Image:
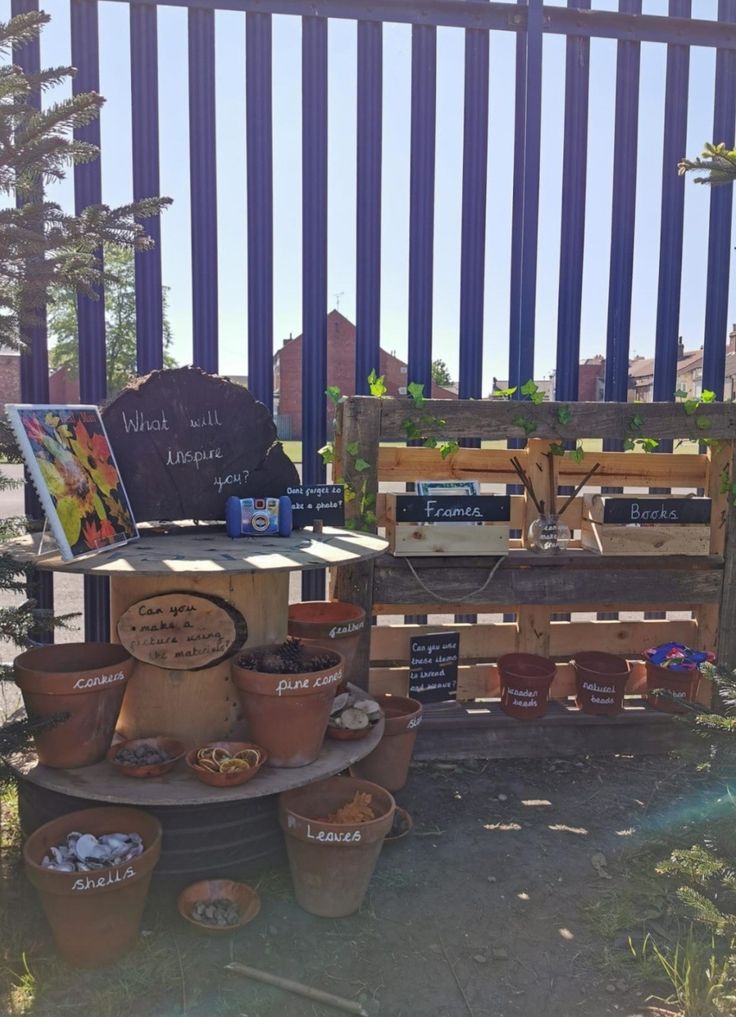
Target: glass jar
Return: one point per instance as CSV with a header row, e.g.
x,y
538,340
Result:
x,y
548,535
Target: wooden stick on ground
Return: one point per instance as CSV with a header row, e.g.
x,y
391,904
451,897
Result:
x,y
298,988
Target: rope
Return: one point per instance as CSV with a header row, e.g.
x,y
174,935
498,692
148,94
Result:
x,y
455,600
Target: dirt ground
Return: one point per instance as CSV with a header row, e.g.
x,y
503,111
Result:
x,y
514,896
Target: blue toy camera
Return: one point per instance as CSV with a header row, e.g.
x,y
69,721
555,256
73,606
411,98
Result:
x,y
258,517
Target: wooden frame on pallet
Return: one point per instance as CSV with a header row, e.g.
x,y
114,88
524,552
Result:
x,y
531,585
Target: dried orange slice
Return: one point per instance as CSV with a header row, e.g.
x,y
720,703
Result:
x,y
207,764
233,765
219,755
251,756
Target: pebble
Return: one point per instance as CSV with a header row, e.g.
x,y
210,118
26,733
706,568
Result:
x,y
491,879
435,948
480,958
220,912
500,953
503,798
142,756
273,930
610,987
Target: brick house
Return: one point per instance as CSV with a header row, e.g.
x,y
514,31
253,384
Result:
x,y
62,387
287,373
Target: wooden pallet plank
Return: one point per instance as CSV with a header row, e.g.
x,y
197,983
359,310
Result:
x,y
652,539
491,419
448,539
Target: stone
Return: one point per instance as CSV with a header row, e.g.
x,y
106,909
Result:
x,y
500,953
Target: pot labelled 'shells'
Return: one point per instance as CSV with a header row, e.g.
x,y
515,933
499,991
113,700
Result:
x,y
94,916
332,863
525,683
600,682
84,680
332,622
681,685
388,763
287,713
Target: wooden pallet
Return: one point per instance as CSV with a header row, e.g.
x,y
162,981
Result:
x,y
536,588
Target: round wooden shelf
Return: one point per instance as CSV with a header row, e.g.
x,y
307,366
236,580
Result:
x,y
209,553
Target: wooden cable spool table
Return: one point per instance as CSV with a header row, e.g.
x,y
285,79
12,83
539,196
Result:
x,y
207,830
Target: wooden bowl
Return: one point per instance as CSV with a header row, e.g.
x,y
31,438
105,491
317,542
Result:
x,y
243,896
408,827
175,748
225,779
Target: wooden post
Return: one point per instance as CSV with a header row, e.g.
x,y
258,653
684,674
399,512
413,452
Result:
x,y
357,437
727,630
533,620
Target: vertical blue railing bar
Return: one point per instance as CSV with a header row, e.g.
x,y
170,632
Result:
x,y
517,198
572,234
144,100
721,208
203,187
521,341
90,312
421,202
259,158
473,235
623,213
314,261
34,364
368,203
673,209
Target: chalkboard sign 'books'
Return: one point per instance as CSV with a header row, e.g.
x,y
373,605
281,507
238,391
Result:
x,y
186,441
433,661
321,501
648,509
72,466
646,524
258,517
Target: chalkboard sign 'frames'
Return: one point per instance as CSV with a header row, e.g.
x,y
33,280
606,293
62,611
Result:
x,y
79,905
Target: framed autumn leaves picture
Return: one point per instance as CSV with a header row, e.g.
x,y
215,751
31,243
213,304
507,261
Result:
x,y
76,476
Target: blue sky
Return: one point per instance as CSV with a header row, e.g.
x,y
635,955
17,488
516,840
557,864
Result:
x,y
117,187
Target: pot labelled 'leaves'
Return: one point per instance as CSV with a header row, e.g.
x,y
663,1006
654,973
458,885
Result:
x,y
186,440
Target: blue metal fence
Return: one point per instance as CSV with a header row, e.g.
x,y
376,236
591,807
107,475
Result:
x,y
531,21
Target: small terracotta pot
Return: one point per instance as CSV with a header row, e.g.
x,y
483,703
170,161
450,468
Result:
x,y
225,779
600,682
388,764
525,684
85,680
94,916
174,748
332,863
243,896
331,622
288,713
682,685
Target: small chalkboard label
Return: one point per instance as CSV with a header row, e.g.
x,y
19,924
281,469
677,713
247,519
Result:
x,y
447,508
433,663
321,501
670,511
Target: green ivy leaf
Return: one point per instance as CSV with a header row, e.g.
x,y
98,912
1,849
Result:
x,y
577,454
333,393
629,445
430,442
327,452
527,425
648,444
556,448
370,518
503,393
707,396
448,448
350,494
636,423
351,524
564,415
416,392
352,448
377,384
369,500
681,393
691,406
702,423
360,465
531,389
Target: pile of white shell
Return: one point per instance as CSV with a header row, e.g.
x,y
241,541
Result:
x,y
353,713
83,852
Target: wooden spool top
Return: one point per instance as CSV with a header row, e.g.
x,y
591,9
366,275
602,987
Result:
x,y
210,553
103,783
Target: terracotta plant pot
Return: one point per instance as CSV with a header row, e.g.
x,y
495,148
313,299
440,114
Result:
x,y
388,764
287,714
172,746
331,622
85,680
242,895
525,683
225,779
94,916
332,863
600,682
683,685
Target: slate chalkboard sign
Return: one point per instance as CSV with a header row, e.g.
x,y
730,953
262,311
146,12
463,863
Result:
x,y
670,511
433,663
185,441
447,508
321,501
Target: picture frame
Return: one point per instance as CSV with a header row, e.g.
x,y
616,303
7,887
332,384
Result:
x,y
73,468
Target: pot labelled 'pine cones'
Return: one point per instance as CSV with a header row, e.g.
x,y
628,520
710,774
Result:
x,y
290,657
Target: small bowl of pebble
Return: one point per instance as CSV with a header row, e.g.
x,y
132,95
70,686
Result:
x,y
219,905
401,827
146,757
